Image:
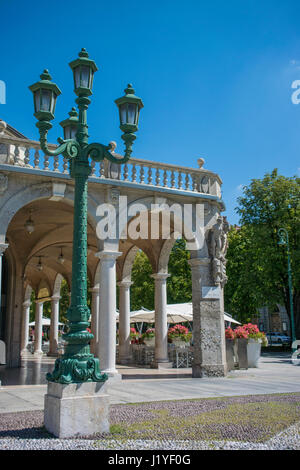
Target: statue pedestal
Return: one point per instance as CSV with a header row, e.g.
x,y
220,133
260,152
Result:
x,y
76,409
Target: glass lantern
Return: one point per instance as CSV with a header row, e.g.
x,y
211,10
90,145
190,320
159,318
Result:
x,y
83,73
70,125
129,110
45,94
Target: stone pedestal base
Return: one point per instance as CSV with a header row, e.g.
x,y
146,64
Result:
x,y
209,370
161,365
76,409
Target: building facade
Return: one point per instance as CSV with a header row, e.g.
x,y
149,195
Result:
x,y
36,232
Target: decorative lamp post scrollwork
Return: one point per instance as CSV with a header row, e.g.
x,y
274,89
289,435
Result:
x,y
284,241
77,363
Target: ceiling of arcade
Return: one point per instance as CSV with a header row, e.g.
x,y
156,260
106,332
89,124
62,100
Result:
x,y
53,235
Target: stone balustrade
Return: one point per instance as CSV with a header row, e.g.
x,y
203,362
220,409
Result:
x,y
27,154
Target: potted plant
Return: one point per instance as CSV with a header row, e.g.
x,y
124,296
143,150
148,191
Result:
x,y
230,337
134,336
149,337
240,347
179,335
256,339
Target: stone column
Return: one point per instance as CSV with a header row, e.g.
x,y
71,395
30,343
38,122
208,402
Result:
x,y
54,326
107,317
124,322
208,322
95,319
38,329
25,326
161,322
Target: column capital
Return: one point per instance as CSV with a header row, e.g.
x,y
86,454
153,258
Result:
x,y
55,297
3,247
124,283
39,301
160,276
27,303
105,254
95,289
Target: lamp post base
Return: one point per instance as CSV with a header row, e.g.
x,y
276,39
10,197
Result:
x,y
76,409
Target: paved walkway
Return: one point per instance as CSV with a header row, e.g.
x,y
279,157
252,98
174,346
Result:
x,y
276,374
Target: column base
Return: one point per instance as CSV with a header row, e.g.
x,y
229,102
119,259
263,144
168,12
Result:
x,y
113,376
51,354
161,365
76,409
209,370
38,353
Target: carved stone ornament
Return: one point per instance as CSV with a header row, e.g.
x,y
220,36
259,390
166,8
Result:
x,y
3,183
217,245
114,196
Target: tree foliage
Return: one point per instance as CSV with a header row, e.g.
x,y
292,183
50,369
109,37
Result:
x,y
257,266
179,284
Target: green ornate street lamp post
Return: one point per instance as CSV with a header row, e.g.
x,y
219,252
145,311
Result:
x,y
78,364
284,241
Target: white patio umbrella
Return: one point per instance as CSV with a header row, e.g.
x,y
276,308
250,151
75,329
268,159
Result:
x,y
45,322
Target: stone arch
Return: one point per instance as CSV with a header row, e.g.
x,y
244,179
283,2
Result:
x,y
36,192
165,254
128,263
57,285
28,292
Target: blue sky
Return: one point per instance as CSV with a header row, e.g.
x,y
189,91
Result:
x,y
215,77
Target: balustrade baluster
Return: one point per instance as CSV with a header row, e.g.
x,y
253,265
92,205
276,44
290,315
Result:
x,y
179,180
16,155
172,179
36,160
93,168
56,163
142,174
133,173
46,162
125,172
26,159
165,178
157,177
194,179
149,175
65,165
102,169
187,182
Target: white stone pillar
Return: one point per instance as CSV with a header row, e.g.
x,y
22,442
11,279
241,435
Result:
x,y
107,317
25,326
161,321
208,322
54,326
95,319
38,329
124,322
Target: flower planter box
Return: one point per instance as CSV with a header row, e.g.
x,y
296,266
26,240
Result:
x,y
179,343
253,352
150,342
241,352
230,354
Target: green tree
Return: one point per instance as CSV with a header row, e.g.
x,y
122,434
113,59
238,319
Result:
x,y
179,284
257,266
142,290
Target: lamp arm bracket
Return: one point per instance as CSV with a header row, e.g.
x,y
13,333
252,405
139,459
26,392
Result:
x,y
68,148
99,152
